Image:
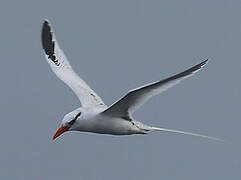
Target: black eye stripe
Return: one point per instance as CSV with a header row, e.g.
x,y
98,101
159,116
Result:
x,y
78,115
73,121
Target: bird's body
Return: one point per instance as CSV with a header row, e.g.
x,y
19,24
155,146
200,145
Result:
x,y
113,126
94,120
93,115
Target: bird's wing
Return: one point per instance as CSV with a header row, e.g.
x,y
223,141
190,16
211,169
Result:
x,y
61,67
137,97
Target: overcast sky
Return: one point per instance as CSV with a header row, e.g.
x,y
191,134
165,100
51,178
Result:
x,y
116,46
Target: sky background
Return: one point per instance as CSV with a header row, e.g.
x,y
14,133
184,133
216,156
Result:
x,y
116,46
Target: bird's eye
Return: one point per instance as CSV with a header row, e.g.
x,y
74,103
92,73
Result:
x,y
73,121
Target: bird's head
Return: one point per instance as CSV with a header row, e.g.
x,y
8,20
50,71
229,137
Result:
x,y
68,123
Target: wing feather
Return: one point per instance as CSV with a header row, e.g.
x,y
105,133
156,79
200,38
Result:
x,y
61,67
137,97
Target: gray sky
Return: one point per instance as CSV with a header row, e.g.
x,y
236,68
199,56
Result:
x,y
115,46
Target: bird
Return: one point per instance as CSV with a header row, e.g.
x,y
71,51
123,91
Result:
x,y
93,115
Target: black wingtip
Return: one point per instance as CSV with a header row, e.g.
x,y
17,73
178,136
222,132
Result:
x,y
203,63
47,41
206,61
46,21
45,25
46,36
198,66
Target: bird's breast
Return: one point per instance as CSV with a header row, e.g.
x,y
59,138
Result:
x,y
106,125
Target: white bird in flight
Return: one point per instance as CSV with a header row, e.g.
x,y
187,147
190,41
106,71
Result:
x,y
93,115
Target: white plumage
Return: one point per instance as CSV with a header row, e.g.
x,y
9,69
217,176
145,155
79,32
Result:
x,y
93,115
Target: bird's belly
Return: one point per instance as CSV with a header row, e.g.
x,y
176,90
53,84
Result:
x,y
114,127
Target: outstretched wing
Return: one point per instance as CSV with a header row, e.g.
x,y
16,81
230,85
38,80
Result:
x,y
61,67
137,97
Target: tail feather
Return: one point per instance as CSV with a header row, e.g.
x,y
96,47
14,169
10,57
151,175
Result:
x,y
186,133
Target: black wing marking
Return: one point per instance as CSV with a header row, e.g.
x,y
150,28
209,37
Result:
x,y
48,43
